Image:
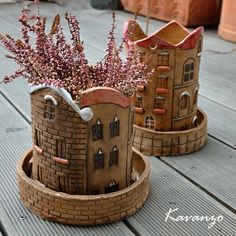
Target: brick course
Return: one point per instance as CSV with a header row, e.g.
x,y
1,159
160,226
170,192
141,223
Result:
x,y
171,143
82,209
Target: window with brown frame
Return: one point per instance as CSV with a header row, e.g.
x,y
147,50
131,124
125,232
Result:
x,y
188,71
163,59
162,81
49,112
159,103
139,101
61,149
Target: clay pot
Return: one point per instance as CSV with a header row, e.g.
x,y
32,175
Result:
x,y
187,12
227,27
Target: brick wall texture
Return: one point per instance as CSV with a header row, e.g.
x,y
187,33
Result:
x,y
68,128
171,143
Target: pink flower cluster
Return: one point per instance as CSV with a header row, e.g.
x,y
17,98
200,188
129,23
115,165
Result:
x,y
53,61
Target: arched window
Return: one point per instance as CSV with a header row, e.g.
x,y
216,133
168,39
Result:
x,y
149,122
99,159
114,155
184,100
114,127
97,130
188,70
49,112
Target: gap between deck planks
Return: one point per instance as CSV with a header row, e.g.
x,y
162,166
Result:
x,y
168,190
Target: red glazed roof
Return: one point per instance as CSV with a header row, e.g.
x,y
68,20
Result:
x,y
98,95
172,35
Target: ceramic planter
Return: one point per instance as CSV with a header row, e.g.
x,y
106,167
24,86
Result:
x,y
227,27
167,119
187,12
82,159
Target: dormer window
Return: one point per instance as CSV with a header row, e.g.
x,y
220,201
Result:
x,y
99,160
97,130
50,106
159,102
163,59
189,70
115,127
139,101
114,154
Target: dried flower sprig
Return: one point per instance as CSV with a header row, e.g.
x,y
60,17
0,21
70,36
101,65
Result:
x,y
53,61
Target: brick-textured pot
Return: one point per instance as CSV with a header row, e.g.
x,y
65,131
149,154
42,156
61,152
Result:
x,y
167,119
187,12
82,169
227,27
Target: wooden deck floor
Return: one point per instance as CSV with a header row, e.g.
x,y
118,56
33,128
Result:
x,y
199,184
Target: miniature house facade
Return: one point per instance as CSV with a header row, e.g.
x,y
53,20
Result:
x,y
74,156
169,101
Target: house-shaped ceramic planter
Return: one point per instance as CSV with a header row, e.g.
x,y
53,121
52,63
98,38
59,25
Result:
x,y
82,168
167,120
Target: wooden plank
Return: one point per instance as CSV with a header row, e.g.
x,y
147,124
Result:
x,y
170,190
15,139
212,168
221,121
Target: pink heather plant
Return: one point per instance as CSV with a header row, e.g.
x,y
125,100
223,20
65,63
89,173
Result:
x,y
52,61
